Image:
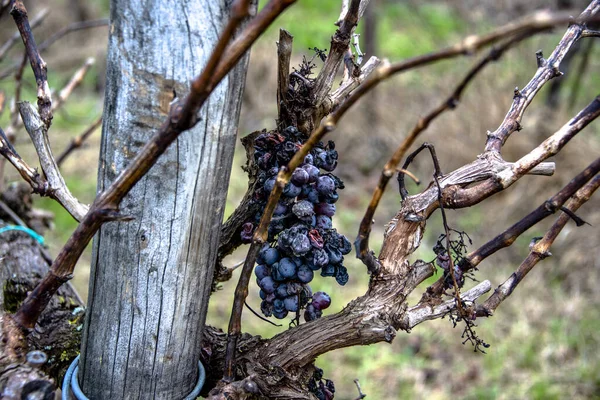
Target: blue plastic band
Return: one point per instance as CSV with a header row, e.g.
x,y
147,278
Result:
x,y
30,232
71,383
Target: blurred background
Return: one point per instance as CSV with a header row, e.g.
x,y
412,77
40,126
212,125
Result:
x,y
545,339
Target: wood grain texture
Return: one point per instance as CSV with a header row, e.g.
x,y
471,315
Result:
x,y
151,277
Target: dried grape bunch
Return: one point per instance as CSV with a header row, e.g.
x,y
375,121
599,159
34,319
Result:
x,y
301,239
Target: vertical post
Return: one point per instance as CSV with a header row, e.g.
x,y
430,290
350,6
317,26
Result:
x,y
151,277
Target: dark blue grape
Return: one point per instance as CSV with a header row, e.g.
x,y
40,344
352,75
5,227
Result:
x,y
266,308
291,190
262,294
341,275
310,193
325,209
345,245
294,288
331,198
287,268
310,263
262,271
316,240
313,173
291,303
275,274
280,209
247,231
282,291
305,274
270,255
267,284
334,254
269,185
320,258
328,270
299,177
300,245
280,315
278,305
311,313
321,300
303,209
298,261
325,185
324,222
308,159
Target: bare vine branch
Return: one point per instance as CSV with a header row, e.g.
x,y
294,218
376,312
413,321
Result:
x,y
539,250
38,65
39,18
78,141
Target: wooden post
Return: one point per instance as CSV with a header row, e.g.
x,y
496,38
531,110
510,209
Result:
x,y
151,277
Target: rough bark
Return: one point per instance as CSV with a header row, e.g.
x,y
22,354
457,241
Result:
x,y
151,278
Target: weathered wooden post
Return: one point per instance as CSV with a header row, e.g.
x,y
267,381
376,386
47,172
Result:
x,y
151,277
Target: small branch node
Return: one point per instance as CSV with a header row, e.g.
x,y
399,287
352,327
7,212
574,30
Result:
x,y
541,61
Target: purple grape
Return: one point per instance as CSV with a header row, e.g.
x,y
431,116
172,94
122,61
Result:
x,y
267,284
269,185
345,245
328,270
310,193
325,209
270,255
334,254
262,294
331,198
278,305
324,222
294,288
341,275
321,300
247,231
325,185
308,159
266,308
282,291
287,268
320,258
262,271
313,173
291,190
311,313
299,177
280,315
316,240
280,209
300,245
305,274
303,209
275,274
291,303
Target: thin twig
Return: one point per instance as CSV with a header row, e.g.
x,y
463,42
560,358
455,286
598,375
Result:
x,y
539,250
30,175
58,188
547,69
19,13
78,141
549,207
73,27
75,81
361,395
14,38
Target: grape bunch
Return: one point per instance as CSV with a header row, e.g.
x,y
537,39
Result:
x,y
323,389
301,239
